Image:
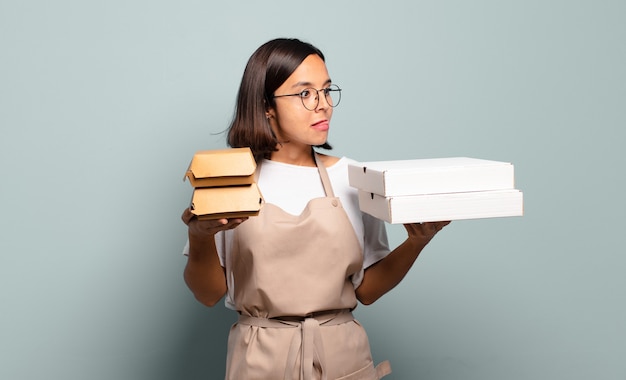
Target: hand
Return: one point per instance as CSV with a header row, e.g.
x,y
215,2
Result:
x,y
208,228
424,232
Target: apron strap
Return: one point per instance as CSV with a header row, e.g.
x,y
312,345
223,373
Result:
x,y
383,369
328,189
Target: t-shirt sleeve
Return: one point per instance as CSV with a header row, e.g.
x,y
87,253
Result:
x,y
220,245
375,245
375,241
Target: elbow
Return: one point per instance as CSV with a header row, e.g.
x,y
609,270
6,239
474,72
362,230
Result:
x,y
208,294
366,302
207,300
366,299
208,297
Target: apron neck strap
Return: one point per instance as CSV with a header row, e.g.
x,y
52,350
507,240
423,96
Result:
x,y
328,189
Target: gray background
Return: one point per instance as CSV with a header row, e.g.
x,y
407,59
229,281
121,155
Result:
x,y
102,105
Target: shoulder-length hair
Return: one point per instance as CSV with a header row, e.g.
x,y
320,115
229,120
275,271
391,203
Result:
x,y
267,69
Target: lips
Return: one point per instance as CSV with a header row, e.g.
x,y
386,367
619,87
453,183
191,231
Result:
x,y
321,125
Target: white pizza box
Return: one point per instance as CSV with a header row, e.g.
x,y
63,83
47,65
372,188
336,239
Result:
x,y
440,207
431,176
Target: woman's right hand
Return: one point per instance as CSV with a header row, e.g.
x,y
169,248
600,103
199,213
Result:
x,y
208,228
204,273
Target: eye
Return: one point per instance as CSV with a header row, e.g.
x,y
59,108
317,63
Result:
x,y
327,91
306,93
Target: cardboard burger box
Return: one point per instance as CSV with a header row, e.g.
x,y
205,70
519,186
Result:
x,y
427,190
224,184
226,202
222,167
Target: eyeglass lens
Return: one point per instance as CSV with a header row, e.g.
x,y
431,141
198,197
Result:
x,y
311,97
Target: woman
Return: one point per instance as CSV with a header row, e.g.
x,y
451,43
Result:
x,y
295,272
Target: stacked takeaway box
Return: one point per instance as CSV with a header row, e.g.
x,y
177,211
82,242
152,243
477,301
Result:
x,y
438,189
224,184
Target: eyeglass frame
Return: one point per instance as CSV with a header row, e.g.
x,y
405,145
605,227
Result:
x,y
326,91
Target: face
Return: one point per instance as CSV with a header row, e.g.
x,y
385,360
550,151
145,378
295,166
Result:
x,y
293,124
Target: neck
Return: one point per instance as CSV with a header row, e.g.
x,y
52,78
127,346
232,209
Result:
x,y
300,157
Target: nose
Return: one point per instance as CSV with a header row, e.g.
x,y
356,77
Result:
x,y
322,101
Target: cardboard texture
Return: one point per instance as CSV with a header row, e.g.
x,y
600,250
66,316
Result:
x,y
226,202
224,184
224,167
439,207
431,176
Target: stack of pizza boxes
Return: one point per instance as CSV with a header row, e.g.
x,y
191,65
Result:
x,y
436,189
224,184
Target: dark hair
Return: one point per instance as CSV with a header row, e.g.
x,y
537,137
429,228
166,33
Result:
x,y
267,69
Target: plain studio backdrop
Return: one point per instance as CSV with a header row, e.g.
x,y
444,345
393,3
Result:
x,y
102,105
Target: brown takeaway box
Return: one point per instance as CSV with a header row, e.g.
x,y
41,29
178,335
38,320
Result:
x,y
223,167
226,202
224,184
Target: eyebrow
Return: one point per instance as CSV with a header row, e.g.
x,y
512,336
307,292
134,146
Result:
x,y
309,84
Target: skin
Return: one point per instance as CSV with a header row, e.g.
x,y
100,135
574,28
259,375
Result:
x,y
298,130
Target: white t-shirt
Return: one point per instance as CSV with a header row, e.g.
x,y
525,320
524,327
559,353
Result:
x,y
290,187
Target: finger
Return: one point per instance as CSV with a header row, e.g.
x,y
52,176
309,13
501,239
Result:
x,y
431,225
428,228
442,224
416,228
225,224
232,223
187,216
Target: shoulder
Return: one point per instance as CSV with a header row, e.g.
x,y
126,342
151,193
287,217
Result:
x,y
333,162
328,160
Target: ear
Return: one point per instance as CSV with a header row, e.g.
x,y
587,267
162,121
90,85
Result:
x,y
270,113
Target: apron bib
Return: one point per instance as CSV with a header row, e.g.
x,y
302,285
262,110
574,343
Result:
x,y
294,293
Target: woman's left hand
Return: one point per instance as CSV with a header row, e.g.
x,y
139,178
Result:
x,y
424,232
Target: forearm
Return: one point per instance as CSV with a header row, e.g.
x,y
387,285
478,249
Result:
x,y
388,272
204,274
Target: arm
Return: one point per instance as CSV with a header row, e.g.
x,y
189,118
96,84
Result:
x,y
383,276
203,273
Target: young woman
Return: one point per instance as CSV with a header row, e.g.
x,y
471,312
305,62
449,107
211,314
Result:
x,y
295,272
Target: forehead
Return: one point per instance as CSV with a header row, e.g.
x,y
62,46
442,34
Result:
x,y
311,72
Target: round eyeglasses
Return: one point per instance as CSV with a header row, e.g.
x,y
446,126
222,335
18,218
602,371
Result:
x,y
311,98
